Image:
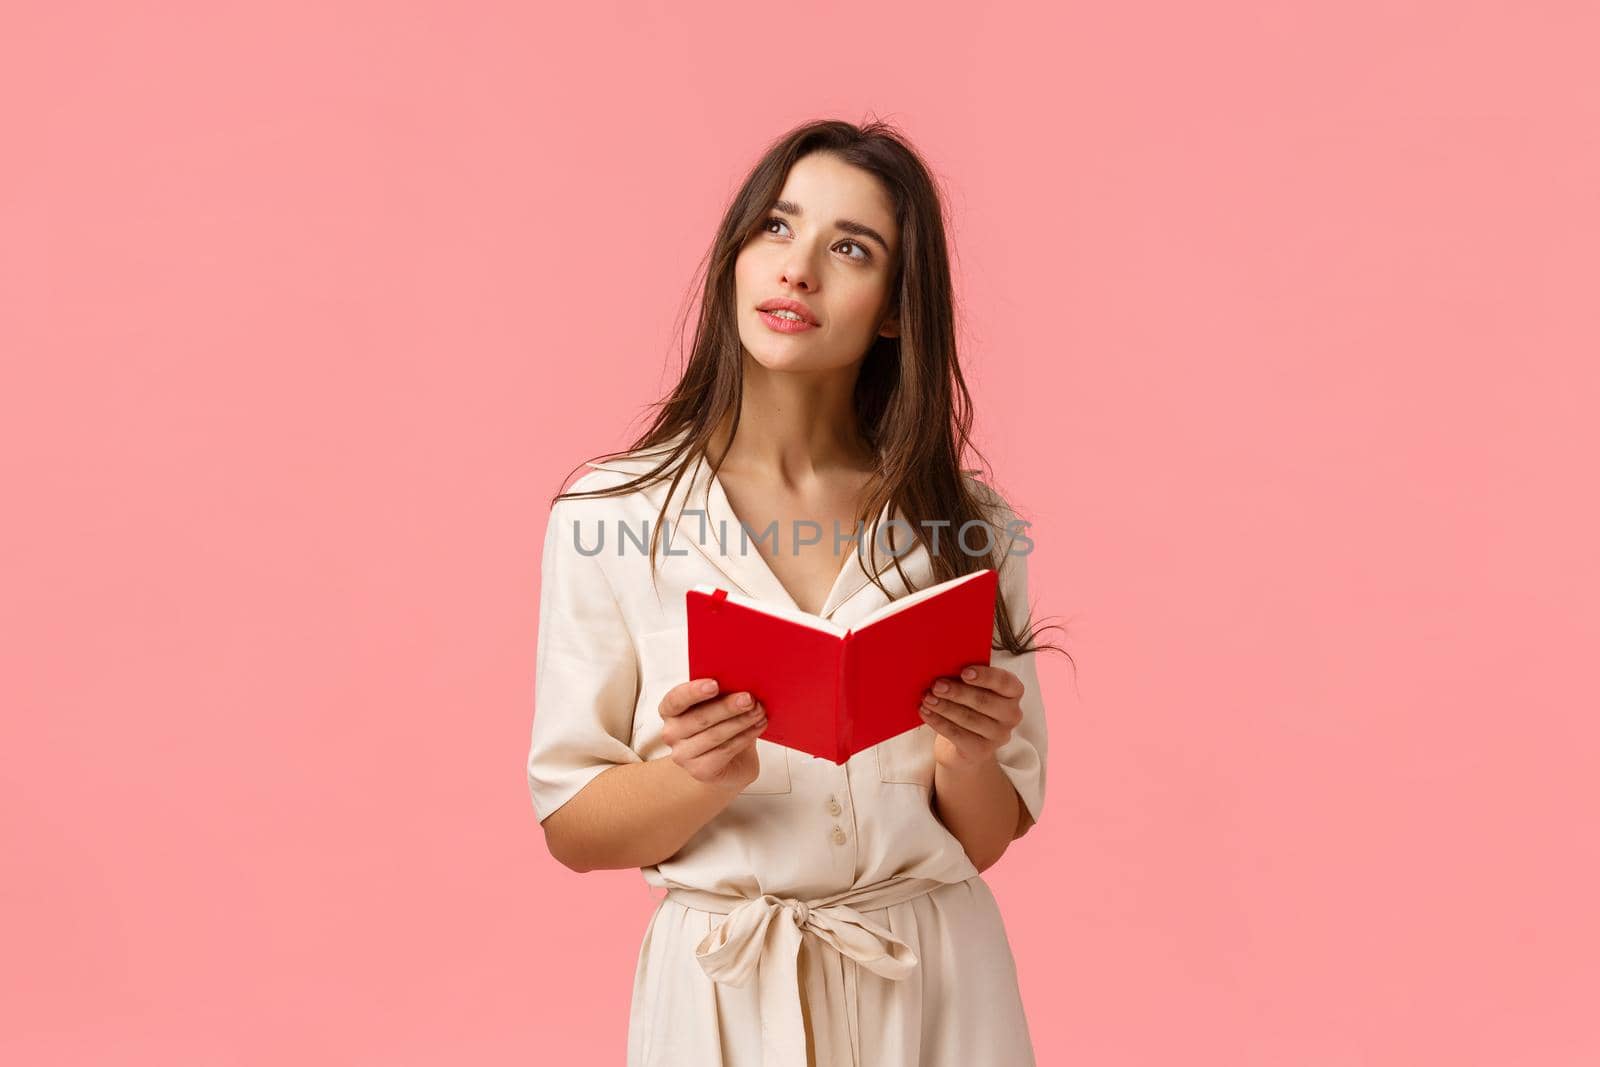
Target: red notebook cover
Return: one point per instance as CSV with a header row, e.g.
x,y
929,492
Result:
x,y
832,691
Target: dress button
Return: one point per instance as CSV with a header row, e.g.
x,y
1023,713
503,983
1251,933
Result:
x,y
833,807
838,836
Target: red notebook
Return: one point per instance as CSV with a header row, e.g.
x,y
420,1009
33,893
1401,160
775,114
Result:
x,y
832,691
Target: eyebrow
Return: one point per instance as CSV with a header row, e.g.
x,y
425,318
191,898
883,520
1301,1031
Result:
x,y
850,226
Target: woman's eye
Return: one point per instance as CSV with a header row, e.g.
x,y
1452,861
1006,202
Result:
x,y
864,256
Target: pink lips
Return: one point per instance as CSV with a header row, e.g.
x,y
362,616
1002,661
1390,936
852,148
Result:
x,y
783,325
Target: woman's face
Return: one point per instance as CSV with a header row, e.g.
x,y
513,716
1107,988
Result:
x,y
831,244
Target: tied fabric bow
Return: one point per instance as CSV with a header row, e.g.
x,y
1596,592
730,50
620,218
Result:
x,y
761,937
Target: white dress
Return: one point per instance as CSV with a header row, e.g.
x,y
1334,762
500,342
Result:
x,y
825,916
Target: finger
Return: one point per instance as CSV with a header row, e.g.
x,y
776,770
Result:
x,y
972,746
971,719
995,679
690,696
710,712
680,698
972,696
698,744
712,761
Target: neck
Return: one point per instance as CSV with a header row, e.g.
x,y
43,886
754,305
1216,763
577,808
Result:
x,y
793,427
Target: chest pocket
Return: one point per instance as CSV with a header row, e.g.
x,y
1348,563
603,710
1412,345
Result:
x,y
908,757
664,663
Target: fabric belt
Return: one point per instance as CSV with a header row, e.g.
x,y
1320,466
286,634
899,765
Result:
x,y
760,939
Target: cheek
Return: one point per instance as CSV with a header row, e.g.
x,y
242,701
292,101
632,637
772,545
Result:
x,y
863,306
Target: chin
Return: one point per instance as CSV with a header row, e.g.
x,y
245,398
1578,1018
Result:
x,y
779,360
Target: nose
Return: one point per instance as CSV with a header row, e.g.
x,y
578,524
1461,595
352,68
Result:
x,y
797,272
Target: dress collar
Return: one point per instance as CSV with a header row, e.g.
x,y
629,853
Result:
x,y
700,517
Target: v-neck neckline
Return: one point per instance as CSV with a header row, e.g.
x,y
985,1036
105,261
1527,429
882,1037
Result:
x,y
699,493
754,568
722,517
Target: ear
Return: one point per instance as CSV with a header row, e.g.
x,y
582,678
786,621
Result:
x,y
890,327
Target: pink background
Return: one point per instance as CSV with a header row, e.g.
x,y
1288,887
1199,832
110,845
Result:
x,y
1281,323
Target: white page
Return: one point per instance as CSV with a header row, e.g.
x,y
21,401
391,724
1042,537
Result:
x,y
817,622
896,606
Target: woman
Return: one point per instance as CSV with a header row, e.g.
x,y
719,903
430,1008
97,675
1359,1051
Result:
x,y
816,913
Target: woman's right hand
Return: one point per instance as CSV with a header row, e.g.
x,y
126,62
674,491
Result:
x,y
713,737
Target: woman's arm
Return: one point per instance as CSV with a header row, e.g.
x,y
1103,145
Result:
x,y
989,757
632,815
638,814
980,807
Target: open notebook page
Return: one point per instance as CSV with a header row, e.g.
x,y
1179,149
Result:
x,y
817,622
913,599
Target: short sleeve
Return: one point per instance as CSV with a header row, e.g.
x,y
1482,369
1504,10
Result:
x,y
586,672
1023,756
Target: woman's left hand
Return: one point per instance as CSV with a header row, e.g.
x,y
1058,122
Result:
x,y
973,715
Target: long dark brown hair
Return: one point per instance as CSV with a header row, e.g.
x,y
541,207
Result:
x,y
902,382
